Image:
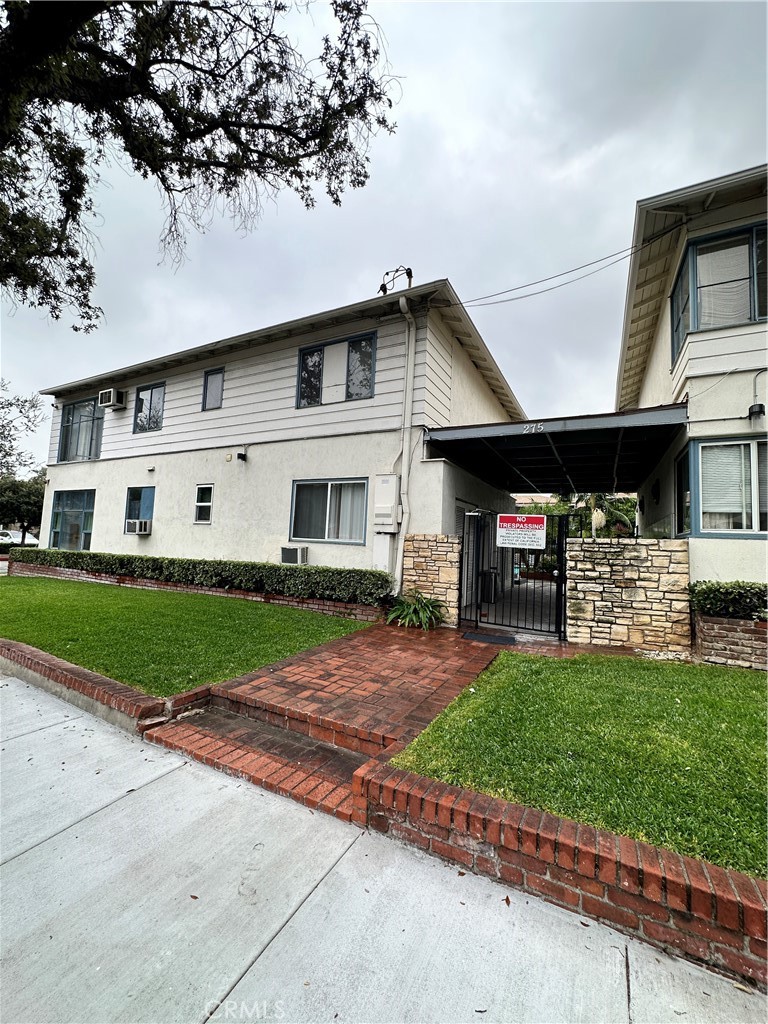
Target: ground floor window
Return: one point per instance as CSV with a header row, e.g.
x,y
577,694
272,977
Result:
x,y
204,503
140,503
734,486
72,520
333,510
683,494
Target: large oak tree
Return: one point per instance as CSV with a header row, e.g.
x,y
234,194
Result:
x,y
210,98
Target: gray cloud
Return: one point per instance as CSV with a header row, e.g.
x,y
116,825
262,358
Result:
x,y
526,134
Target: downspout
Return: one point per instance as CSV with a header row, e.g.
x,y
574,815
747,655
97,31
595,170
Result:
x,y
405,437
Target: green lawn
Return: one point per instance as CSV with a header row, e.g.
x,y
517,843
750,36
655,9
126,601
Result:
x,y
672,754
159,642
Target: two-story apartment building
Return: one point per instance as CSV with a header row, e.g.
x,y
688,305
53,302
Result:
x,y
695,333
306,435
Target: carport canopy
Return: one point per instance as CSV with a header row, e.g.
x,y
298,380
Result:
x,y
611,452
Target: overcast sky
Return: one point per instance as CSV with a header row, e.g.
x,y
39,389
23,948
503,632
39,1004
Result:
x,y
526,134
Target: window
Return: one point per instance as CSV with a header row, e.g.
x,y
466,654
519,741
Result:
x,y
310,377
149,408
340,371
683,494
72,520
81,428
140,503
734,486
213,389
722,281
204,503
332,510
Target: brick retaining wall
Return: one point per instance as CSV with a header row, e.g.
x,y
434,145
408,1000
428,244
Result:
x,y
629,592
738,642
684,906
360,612
431,564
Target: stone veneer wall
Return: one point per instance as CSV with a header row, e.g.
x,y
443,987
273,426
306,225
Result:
x,y
738,642
431,563
630,593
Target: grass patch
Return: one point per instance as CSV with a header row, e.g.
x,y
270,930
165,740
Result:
x,y
671,754
159,642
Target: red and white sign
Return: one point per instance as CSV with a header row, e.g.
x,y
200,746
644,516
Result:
x,y
521,532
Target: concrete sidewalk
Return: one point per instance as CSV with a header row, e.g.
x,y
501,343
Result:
x,y
140,887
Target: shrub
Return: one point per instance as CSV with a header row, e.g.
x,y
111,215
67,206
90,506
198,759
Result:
x,y
735,600
359,586
416,609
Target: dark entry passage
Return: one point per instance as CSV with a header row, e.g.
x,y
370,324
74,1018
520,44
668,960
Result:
x,y
515,588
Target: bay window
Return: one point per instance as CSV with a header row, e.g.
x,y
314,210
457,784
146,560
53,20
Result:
x,y
722,282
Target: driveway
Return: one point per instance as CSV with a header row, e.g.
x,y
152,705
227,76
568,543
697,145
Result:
x,y
138,887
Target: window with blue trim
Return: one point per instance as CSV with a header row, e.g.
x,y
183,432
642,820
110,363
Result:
x,y
734,486
683,493
722,282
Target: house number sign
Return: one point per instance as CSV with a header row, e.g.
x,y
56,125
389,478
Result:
x,y
521,532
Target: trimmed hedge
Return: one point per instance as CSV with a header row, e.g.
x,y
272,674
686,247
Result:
x,y
358,586
736,600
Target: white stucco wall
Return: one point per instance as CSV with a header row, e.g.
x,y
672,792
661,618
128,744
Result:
x,y
251,500
737,559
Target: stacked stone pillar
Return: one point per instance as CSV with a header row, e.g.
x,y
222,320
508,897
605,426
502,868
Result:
x,y
431,564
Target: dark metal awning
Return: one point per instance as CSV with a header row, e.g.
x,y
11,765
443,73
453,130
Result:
x,y
612,452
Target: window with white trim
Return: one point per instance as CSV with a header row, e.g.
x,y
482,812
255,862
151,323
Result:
x,y
722,282
329,510
204,503
734,486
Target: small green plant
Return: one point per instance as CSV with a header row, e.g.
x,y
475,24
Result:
x,y
416,609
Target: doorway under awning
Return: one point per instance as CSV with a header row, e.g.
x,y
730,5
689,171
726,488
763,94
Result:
x,y
611,452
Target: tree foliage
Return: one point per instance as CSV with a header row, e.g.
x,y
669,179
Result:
x,y
18,416
212,100
21,501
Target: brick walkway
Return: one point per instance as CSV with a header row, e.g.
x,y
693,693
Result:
x,y
302,726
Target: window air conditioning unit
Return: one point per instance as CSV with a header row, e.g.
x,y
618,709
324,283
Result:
x,y
294,556
141,527
112,399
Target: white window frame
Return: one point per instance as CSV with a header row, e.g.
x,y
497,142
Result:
x,y
203,504
330,481
754,487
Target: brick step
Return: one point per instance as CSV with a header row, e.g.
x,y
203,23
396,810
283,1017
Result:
x,y
310,772
351,725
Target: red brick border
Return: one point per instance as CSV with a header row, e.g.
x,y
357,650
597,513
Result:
x,y
343,609
737,642
684,906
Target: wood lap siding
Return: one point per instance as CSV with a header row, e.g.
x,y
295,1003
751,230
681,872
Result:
x,y
259,402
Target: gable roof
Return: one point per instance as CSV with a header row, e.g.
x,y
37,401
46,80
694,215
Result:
x,y
659,222
438,295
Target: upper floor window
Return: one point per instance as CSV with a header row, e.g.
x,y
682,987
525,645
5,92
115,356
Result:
x,y
341,371
149,408
722,281
72,520
734,486
213,389
81,428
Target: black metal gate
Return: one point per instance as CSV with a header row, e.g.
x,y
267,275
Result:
x,y
513,588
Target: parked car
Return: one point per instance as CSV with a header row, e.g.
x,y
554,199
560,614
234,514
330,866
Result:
x,y
14,537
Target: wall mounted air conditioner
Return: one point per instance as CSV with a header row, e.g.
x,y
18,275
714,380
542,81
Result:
x,y
112,399
294,556
140,527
